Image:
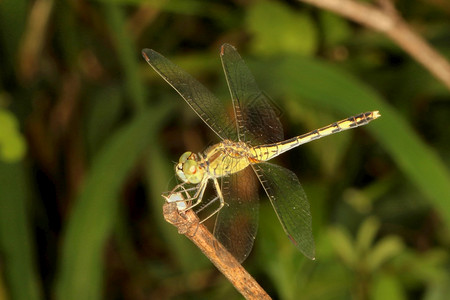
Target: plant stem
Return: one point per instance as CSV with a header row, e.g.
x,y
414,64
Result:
x,y
188,224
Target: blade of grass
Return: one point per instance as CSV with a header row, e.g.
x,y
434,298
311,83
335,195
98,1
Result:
x,y
16,245
94,211
127,55
13,16
327,86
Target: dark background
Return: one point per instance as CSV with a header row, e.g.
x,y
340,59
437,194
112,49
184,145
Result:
x,y
89,133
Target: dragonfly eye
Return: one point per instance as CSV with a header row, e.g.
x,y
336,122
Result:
x,y
180,173
187,169
185,156
190,167
192,172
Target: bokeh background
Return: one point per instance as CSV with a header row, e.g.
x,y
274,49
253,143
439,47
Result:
x,y
89,133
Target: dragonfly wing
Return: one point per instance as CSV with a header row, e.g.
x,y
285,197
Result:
x,y
199,98
237,222
256,115
290,204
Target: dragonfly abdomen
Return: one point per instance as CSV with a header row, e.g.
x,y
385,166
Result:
x,y
267,152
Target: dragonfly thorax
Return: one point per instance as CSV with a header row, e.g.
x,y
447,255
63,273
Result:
x,y
228,157
189,168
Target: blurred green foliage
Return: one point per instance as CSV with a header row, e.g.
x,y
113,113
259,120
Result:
x,y
88,134
12,142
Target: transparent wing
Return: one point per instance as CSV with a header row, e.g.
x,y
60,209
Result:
x,y
290,204
199,98
237,222
256,118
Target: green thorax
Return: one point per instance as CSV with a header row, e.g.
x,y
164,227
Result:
x,y
228,157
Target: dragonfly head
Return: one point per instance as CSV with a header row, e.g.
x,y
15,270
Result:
x,y
188,168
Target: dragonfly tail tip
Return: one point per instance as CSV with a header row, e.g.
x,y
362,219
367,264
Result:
x,y
376,114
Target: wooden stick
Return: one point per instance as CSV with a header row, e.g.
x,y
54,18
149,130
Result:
x,y
188,224
385,19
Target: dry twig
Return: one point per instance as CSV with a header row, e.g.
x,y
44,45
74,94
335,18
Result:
x,y
385,19
187,224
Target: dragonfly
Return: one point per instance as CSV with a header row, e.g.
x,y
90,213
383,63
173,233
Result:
x,y
250,136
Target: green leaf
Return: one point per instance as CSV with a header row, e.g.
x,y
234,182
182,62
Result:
x,y
94,211
429,266
385,249
343,244
358,200
388,287
13,18
185,7
438,289
276,28
366,234
16,246
126,54
335,28
105,107
12,143
13,149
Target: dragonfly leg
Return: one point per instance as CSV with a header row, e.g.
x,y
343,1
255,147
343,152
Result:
x,y
182,195
219,196
201,187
